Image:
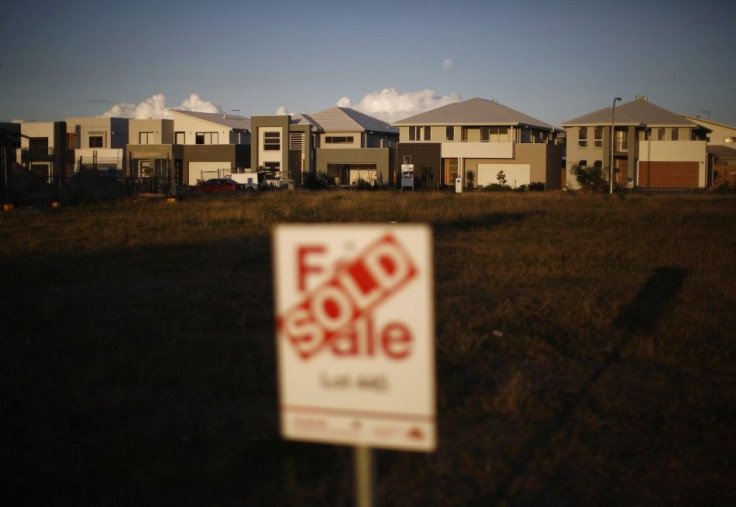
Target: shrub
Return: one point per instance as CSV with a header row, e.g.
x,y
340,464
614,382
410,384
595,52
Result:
x,y
590,178
316,181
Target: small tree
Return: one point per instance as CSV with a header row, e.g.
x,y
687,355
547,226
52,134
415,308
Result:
x,y
501,177
469,179
590,178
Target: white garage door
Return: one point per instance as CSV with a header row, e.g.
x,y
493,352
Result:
x,y
516,174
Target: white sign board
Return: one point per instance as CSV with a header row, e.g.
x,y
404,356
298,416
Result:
x,y
355,334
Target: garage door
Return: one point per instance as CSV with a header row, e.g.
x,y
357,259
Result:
x,y
668,174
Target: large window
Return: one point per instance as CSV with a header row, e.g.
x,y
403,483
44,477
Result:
x,y
272,141
498,134
427,133
598,137
339,139
206,138
145,138
414,133
675,134
583,137
449,133
96,139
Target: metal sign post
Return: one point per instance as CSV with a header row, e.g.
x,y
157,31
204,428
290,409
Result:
x,y
364,476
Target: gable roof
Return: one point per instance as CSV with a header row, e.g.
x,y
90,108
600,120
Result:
x,y
637,112
708,124
344,119
305,119
231,121
474,111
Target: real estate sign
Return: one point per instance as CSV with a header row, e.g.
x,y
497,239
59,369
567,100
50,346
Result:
x,y
355,334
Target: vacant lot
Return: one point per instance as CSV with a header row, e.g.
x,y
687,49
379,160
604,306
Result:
x,y
586,352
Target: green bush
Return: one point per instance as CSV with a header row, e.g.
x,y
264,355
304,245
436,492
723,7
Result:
x,y
590,178
316,181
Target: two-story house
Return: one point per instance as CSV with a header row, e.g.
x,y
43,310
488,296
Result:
x,y
98,142
155,162
347,145
476,140
213,144
43,150
353,147
652,147
721,149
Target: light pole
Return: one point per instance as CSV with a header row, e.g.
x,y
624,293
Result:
x,y
613,132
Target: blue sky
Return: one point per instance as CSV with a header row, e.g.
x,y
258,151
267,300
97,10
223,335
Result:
x,y
551,60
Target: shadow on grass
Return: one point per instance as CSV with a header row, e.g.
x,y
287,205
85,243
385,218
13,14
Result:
x,y
657,296
642,315
147,376
487,221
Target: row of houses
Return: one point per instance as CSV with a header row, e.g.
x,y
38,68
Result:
x,y
468,143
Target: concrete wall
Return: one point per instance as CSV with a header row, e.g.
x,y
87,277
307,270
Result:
x,y
163,131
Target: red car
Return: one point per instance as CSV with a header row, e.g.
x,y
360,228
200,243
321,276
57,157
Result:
x,y
218,185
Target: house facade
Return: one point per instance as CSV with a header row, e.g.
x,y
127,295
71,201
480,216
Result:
x,y
652,147
477,139
155,162
353,147
347,145
98,142
721,150
284,147
212,145
43,151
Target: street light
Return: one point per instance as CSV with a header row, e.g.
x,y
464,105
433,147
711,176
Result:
x,y
613,131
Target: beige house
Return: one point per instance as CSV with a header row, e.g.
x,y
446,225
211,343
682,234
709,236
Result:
x,y
43,150
347,145
213,145
652,147
475,141
98,142
721,151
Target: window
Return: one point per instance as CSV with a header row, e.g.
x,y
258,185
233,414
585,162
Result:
x,y
339,139
272,141
484,134
179,138
413,133
498,134
660,134
675,134
449,133
96,139
598,137
145,137
427,133
583,137
206,138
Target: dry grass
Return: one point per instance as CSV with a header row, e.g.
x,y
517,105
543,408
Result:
x,y
585,352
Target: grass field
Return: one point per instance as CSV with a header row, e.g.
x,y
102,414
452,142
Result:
x,y
586,352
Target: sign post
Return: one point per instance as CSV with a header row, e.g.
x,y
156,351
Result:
x,y
355,336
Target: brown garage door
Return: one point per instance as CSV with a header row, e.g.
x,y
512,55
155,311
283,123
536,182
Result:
x,y
668,174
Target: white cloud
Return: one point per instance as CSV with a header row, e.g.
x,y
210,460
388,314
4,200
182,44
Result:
x,y
447,64
155,107
391,105
282,111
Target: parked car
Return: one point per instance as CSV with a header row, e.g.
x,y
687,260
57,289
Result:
x,y
218,185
